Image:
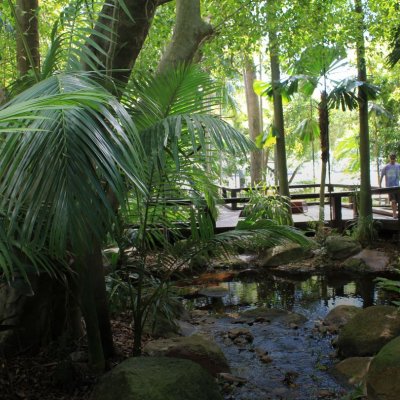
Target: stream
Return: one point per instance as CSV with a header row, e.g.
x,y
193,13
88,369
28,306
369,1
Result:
x,y
279,359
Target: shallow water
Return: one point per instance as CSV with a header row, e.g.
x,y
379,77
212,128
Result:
x,y
301,356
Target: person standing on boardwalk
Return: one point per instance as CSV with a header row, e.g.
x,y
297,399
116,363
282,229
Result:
x,y
391,172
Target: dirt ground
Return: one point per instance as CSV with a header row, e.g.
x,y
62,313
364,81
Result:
x,y
63,375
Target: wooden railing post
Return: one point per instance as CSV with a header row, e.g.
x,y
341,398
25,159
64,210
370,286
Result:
x,y
233,196
336,204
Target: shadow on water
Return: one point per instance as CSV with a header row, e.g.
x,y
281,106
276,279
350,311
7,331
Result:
x,y
301,352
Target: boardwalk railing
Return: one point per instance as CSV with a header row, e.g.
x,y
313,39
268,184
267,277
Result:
x,y
236,196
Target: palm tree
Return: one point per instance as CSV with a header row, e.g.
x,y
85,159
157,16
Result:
x,y
177,117
313,73
55,174
58,162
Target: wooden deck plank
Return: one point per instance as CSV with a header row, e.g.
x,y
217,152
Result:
x,y
229,218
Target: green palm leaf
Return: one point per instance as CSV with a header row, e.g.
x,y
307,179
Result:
x,y
55,176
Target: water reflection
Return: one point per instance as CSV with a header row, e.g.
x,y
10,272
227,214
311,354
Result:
x,y
314,296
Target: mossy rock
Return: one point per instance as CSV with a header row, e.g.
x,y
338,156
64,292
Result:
x,y
340,316
283,254
368,331
353,371
198,348
383,378
157,378
341,247
355,265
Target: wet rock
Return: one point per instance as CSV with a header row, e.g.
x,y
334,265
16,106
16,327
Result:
x,y
283,254
263,355
354,265
338,317
232,378
353,370
185,328
148,378
233,263
371,261
383,378
368,331
238,335
341,247
274,315
290,378
200,349
299,267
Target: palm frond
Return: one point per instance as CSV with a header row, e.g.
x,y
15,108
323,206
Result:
x,y
55,175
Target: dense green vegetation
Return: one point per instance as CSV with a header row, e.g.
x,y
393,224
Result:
x,y
105,127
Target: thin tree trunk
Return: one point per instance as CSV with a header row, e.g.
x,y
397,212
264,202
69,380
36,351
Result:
x,y
28,56
190,32
365,209
253,115
89,309
95,263
278,117
324,137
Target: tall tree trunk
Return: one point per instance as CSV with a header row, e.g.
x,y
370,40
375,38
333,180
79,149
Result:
x,y
278,116
253,116
190,32
124,36
365,210
122,41
27,39
324,137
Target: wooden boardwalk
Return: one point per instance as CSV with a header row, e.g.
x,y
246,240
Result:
x,y
228,218
338,209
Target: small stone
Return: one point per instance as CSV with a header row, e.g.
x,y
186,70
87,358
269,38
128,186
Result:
x,y
266,359
324,393
240,332
290,377
262,320
232,378
240,341
260,352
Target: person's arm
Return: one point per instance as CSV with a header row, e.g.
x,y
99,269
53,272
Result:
x,y
383,172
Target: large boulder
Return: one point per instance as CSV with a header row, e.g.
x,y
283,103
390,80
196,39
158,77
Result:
x,y
383,378
340,316
197,348
353,371
368,261
341,247
157,378
283,254
368,331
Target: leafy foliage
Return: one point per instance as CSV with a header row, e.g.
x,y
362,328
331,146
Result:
x,y
390,285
